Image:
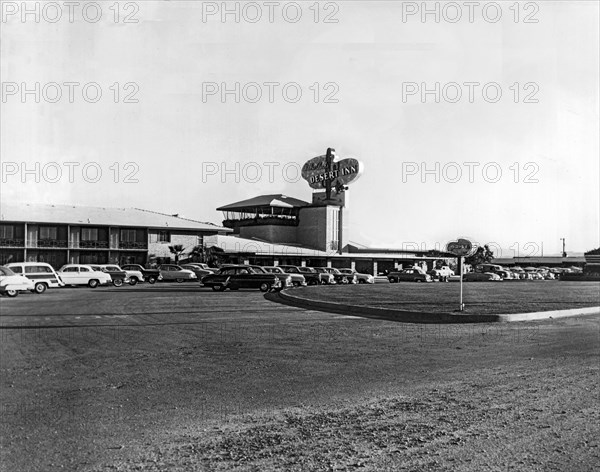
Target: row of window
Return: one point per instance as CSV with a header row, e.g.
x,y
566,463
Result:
x,y
87,234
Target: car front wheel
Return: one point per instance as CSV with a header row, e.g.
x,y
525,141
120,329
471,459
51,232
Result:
x,y
118,282
151,280
40,288
12,293
265,287
133,281
93,283
179,280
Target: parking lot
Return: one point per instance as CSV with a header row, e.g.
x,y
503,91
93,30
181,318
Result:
x,y
137,378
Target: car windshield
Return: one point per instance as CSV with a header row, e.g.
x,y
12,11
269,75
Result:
x,y
257,270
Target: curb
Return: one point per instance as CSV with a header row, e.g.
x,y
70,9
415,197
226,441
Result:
x,y
401,316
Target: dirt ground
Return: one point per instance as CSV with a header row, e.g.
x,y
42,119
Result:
x,y
176,378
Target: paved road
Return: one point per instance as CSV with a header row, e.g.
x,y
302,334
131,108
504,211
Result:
x,y
94,378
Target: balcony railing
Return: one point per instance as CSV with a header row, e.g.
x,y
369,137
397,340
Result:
x,y
48,243
93,244
12,242
133,245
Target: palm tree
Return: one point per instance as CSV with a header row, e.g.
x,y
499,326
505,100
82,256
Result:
x,y
177,250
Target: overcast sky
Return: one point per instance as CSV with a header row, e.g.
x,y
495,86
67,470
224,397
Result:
x,y
180,132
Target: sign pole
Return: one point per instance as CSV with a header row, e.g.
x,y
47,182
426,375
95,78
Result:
x,y
462,263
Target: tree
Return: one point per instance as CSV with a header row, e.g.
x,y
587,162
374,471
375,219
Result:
x,y
483,255
211,255
177,250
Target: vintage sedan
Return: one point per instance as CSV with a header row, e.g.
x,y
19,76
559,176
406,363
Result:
x,y
82,274
197,269
409,275
117,275
285,279
236,277
310,275
174,272
481,277
360,278
341,278
324,276
149,275
297,279
11,284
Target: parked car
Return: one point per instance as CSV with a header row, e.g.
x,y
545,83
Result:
x,y
149,275
41,274
360,278
134,276
505,274
324,276
298,280
82,274
409,275
174,272
442,274
236,277
196,269
285,279
11,284
341,278
310,275
117,275
481,277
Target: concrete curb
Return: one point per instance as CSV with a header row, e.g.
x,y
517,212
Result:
x,y
286,298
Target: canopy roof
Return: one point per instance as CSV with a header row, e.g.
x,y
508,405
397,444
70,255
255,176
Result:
x,y
264,201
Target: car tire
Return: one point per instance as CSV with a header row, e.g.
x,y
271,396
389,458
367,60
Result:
x,y
40,288
12,293
313,282
179,280
152,280
216,287
133,281
393,280
222,288
93,283
117,282
265,287
344,281
418,281
361,281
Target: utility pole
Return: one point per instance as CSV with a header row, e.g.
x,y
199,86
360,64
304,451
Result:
x,y
564,253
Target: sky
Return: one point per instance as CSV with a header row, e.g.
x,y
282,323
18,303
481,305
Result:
x,y
503,150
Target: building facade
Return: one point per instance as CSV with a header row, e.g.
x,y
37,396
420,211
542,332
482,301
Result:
x,y
61,234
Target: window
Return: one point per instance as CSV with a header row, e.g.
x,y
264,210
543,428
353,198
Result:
x,y
37,269
89,234
7,232
70,269
48,232
164,237
84,269
17,269
128,235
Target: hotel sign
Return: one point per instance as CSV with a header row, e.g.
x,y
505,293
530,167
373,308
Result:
x,y
326,172
462,247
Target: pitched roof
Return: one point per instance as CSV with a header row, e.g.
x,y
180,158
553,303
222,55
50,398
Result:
x,y
274,200
99,216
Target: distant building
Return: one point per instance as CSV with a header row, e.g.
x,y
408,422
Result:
x,y
61,234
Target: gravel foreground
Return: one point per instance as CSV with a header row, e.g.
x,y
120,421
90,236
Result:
x,y
503,421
